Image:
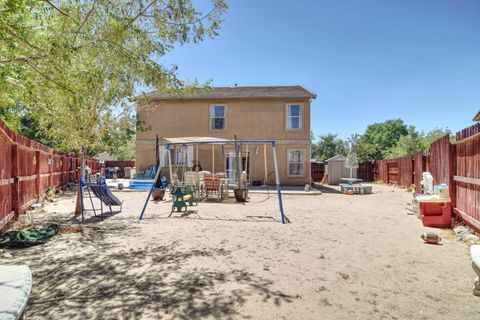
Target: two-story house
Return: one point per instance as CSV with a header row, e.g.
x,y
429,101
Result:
x,y
280,113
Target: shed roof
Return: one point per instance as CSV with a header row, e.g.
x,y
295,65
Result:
x,y
237,92
338,157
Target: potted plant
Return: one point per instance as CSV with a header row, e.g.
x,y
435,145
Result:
x,y
158,191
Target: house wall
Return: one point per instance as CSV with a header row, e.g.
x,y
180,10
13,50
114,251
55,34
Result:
x,y
248,119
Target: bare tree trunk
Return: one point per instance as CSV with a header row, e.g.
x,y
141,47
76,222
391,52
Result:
x,y
78,207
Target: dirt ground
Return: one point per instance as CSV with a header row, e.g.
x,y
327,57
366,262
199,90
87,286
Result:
x,y
342,257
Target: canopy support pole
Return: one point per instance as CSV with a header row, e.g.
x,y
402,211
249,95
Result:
x,y
197,163
246,164
265,164
277,181
170,164
213,159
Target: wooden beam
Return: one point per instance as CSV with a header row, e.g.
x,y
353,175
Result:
x,y
468,219
6,181
467,180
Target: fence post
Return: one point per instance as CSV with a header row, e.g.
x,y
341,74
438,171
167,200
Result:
x,y
64,168
15,185
37,172
50,170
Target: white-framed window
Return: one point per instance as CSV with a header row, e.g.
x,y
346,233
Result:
x,y
182,155
296,163
179,156
294,116
218,120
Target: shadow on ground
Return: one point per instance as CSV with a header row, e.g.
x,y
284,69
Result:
x,y
326,189
95,278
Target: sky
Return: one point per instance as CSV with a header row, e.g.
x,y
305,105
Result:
x,y
367,60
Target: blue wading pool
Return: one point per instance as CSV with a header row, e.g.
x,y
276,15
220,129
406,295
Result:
x,y
140,184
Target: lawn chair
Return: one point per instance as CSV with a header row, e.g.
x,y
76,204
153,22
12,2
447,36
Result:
x,y
201,182
214,186
192,178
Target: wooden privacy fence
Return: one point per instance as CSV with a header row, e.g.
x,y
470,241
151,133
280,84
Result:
x,y
28,169
365,171
407,171
395,171
467,176
457,165
121,164
317,170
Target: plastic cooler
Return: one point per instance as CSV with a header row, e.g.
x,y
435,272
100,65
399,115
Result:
x,y
436,213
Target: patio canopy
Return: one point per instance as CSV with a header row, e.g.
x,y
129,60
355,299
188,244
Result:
x,y
195,140
210,140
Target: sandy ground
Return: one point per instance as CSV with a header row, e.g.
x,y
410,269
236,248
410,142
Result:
x,y
342,257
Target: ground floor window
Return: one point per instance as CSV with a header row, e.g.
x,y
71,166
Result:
x,y
296,163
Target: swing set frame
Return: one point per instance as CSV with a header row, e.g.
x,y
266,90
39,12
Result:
x,y
192,142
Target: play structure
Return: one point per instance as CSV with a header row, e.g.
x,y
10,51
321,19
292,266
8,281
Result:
x,y
101,191
188,184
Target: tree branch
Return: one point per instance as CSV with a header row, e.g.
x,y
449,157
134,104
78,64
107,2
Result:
x,y
50,79
16,35
57,8
89,13
22,60
143,11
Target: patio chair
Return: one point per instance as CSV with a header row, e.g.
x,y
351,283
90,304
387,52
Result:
x,y
192,178
214,186
201,182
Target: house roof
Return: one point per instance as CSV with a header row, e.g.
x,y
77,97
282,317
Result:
x,y
237,92
477,117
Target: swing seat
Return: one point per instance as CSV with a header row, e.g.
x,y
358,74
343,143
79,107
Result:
x,y
182,195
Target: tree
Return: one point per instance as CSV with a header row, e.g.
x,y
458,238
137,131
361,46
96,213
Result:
x,y
74,65
328,145
379,138
434,135
408,145
125,151
415,142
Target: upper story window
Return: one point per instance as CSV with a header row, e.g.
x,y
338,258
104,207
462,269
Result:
x,y
294,116
217,117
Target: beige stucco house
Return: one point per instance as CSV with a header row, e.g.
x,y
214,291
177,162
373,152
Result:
x,y
280,113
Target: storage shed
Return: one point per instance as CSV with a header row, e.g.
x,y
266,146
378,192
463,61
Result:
x,y
335,169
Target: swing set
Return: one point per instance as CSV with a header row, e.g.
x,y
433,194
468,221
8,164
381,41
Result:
x,y
211,184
